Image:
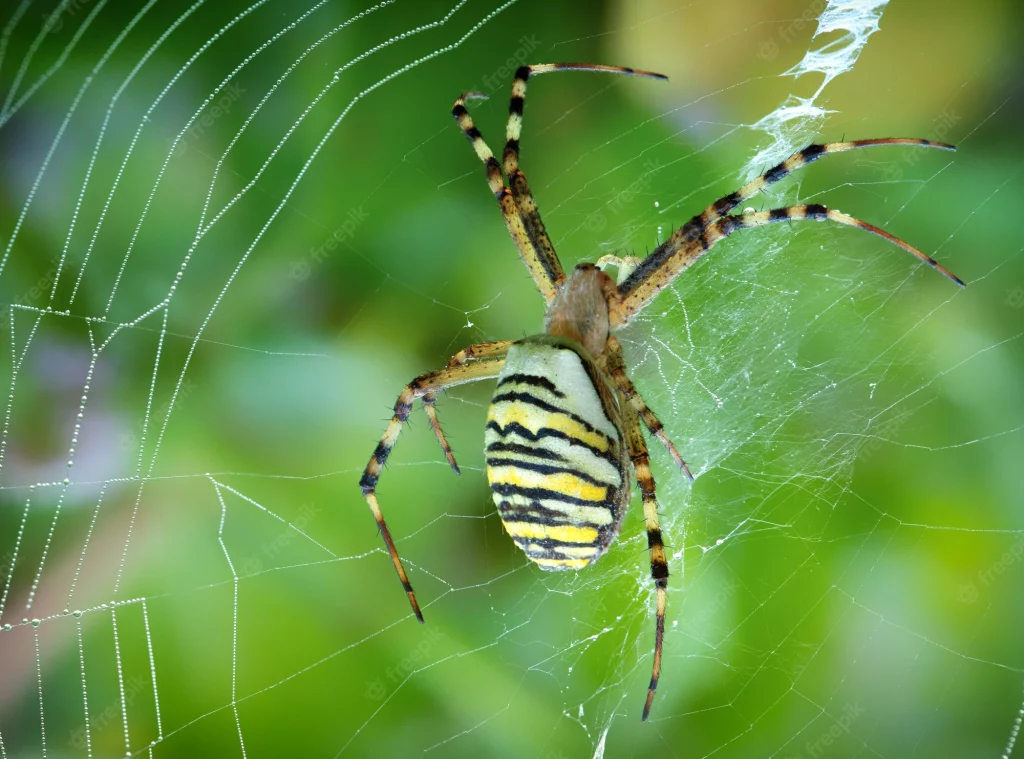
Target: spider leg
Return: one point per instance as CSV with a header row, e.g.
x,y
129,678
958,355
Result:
x,y
610,259
515,106
435,424
496,349
421,387
624,265
616,368
667,262
546,270
798,160
521,191
472,353
659,565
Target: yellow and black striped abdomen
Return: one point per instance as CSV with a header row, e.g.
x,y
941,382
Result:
x,y
555,455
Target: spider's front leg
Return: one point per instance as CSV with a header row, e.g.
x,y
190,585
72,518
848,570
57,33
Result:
x,y
475,363
518,206
695,238
780,171
543,264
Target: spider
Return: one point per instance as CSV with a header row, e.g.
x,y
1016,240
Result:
x,y
563,430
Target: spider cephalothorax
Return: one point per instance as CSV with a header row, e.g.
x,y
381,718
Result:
x,y
564,428
579,308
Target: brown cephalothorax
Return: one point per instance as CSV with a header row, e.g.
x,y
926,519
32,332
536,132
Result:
x,y
564,427
579,309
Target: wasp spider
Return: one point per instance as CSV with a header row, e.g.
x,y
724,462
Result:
x,y
563,431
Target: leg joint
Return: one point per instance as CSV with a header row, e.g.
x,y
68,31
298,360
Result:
x,y
368,483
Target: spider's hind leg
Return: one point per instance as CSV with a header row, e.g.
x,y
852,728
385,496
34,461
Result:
x,y
659,563
617,370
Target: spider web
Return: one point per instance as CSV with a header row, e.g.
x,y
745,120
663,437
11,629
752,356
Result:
x,y
232,231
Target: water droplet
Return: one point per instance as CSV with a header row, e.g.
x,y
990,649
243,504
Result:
x,y
36,622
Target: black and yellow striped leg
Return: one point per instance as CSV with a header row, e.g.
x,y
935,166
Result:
x,y
515,108
472,353
659,562
481,351
521,191
649,279
421,387
616,368
798,160
435,424
546,271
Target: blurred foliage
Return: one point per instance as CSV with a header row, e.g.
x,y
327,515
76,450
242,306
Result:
x,y
878,596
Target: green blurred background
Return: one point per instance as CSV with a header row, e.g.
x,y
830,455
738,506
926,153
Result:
x,y
847,568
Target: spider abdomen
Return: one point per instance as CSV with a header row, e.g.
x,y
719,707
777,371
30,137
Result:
x,y
556,461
